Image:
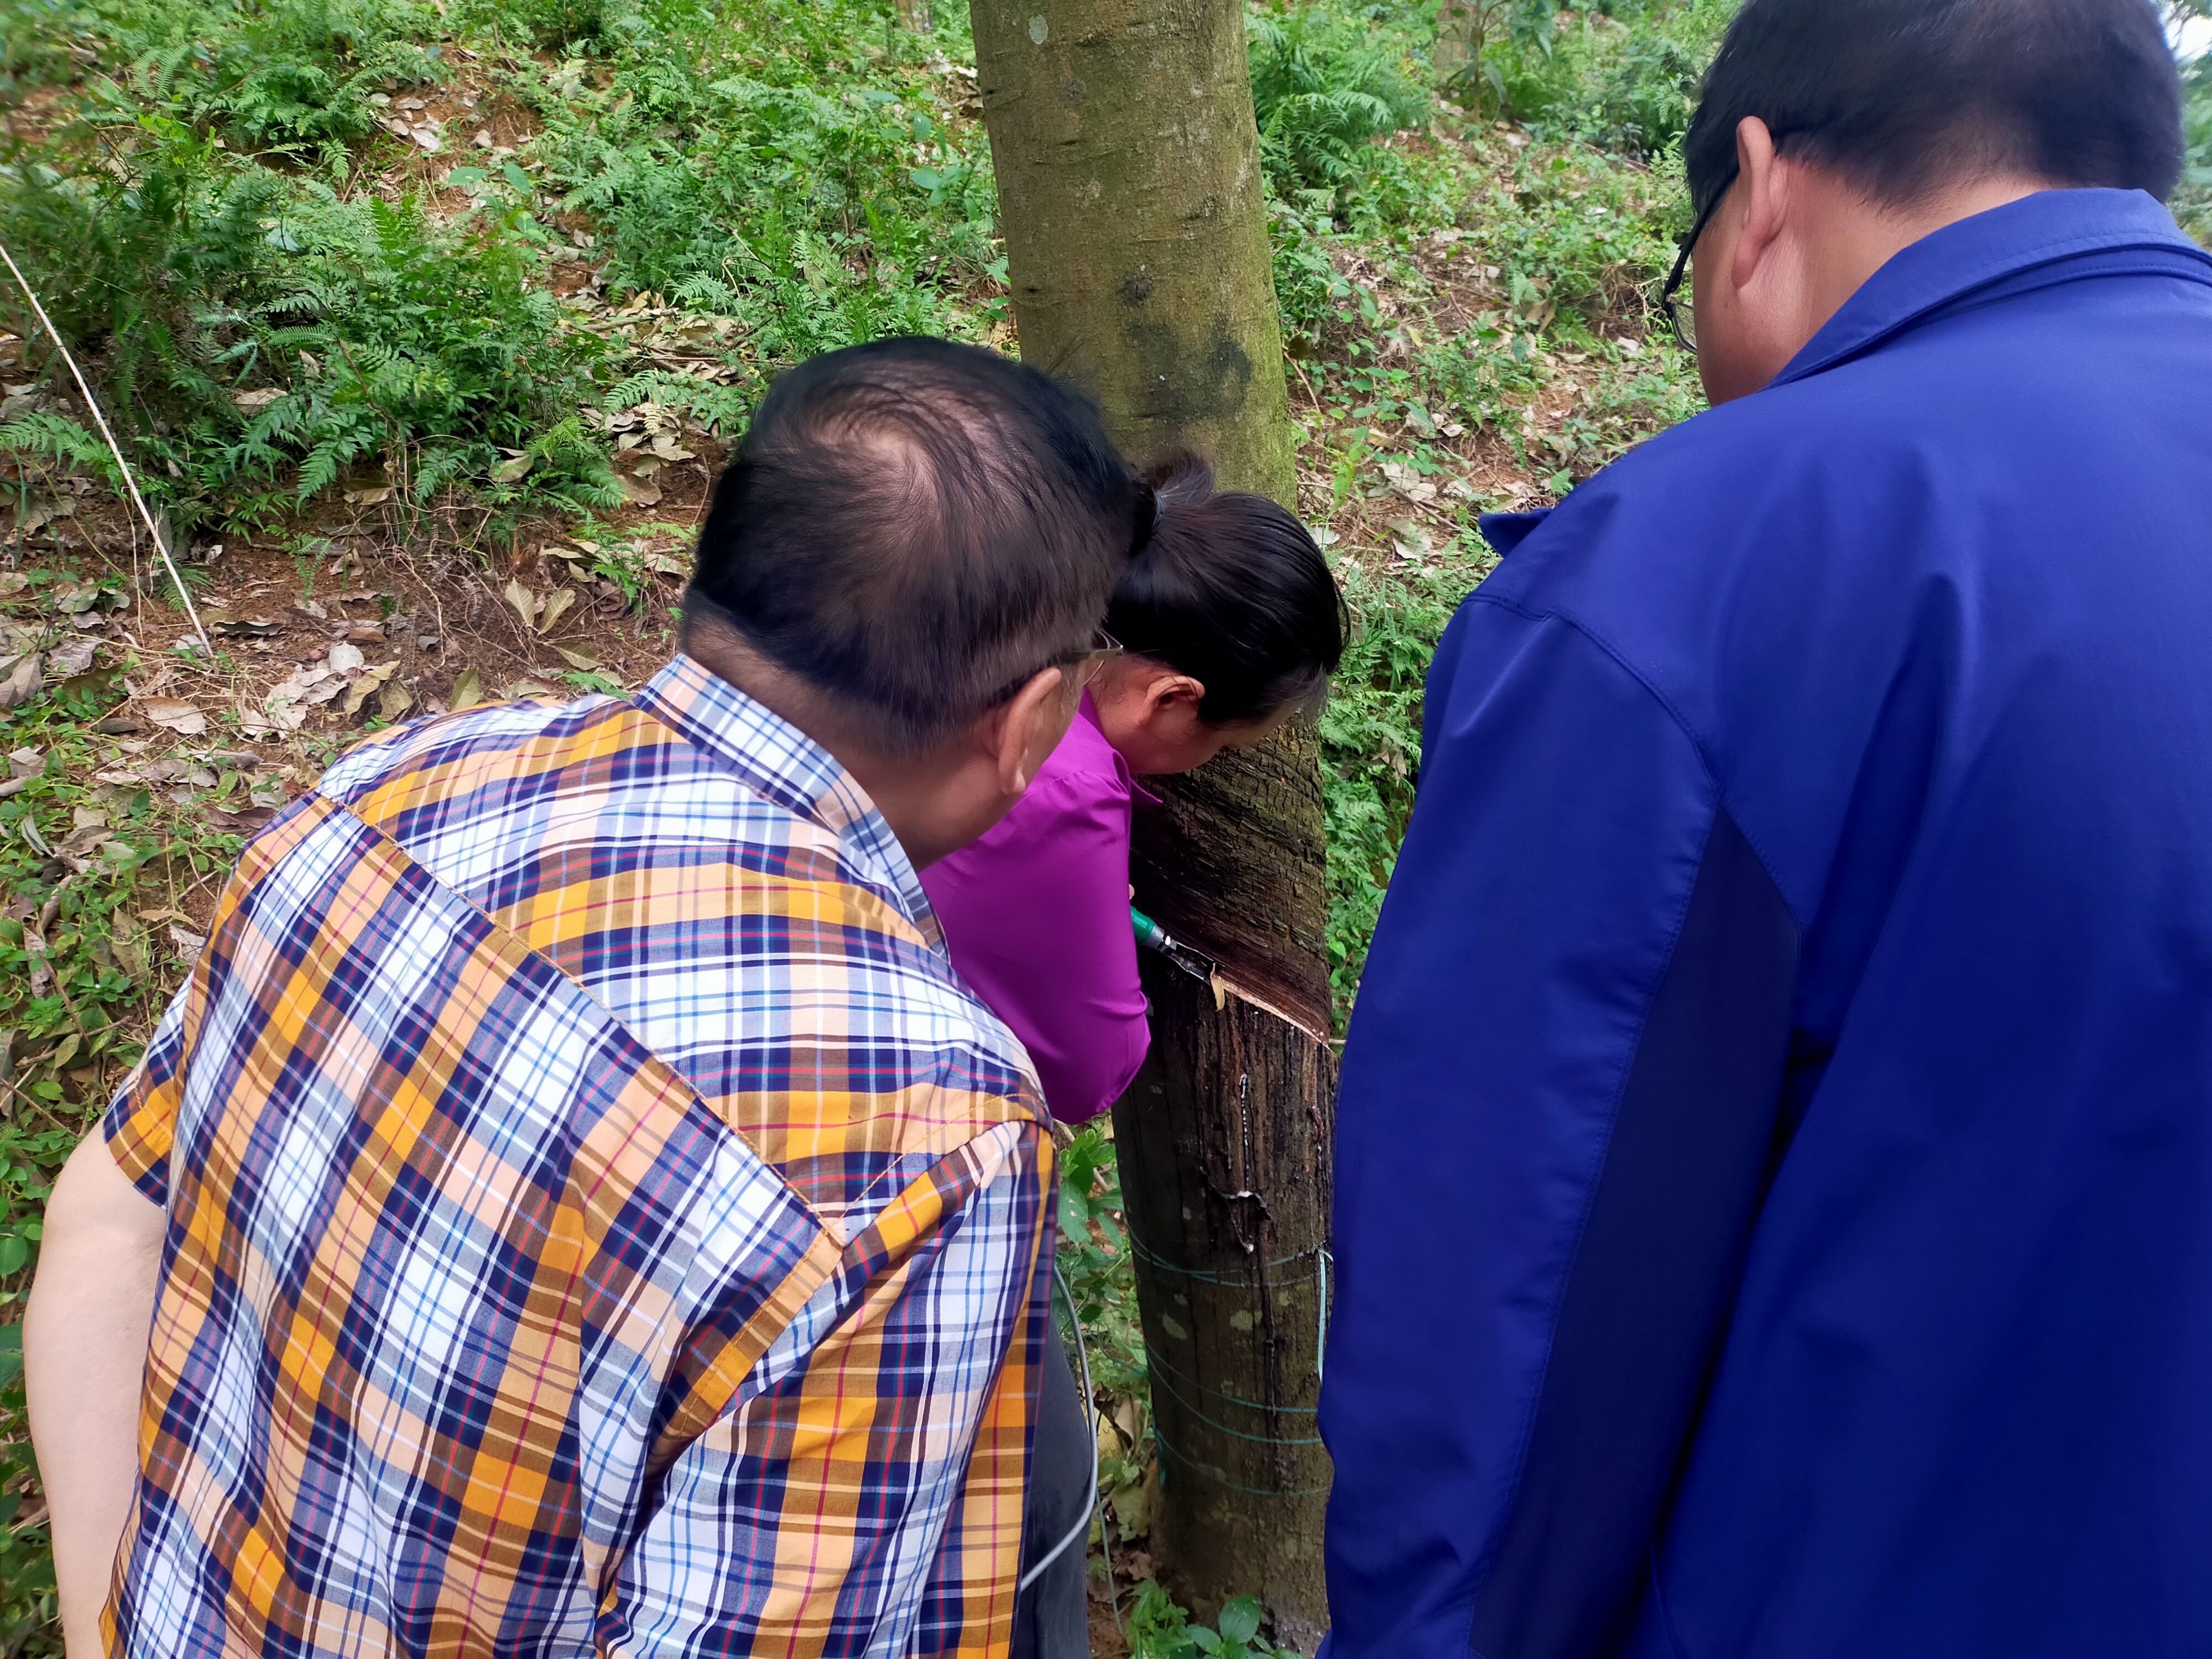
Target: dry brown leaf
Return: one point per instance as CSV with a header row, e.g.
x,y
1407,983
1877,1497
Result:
x,y
508,472
578,657
245,819
394,700
20,681
642,491
556,606
128,941
70,657
176,716
524,601
371,681
90,839
468,690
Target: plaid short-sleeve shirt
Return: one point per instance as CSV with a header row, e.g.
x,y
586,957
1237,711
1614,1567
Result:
x,y
599,1219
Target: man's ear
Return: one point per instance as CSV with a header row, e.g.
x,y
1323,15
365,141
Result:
x,y
1029,727
1764,197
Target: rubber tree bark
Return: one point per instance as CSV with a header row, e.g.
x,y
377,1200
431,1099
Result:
x,y
1129,189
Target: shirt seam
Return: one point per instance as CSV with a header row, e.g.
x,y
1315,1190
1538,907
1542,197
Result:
x,y
1527,1434
1698,744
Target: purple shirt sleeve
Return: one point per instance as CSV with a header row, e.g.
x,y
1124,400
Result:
x,y
1037,918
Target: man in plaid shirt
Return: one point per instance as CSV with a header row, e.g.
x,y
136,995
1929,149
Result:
x,y
575,1206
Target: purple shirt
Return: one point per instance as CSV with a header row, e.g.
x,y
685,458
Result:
x,y
1037,917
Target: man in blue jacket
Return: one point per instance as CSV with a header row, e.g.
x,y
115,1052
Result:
x,y
1774,1202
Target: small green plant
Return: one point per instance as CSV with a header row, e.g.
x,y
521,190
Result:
x,y
1094,1259
817,183
265,334
1158,1629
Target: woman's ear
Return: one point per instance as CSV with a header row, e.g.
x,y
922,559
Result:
x,y
1173,693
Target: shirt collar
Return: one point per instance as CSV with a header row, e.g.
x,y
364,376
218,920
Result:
x,y
781,763
2044,237
1088,711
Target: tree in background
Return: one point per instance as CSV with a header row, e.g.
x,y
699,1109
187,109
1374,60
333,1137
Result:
x,y
1130,191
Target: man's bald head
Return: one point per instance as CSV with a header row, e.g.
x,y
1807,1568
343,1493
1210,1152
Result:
x,y
913,528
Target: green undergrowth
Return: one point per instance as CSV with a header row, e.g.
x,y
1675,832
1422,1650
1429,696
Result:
x,y
103,842
2193,202
1623,75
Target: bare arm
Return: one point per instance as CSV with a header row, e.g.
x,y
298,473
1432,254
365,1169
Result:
x,y
84,1353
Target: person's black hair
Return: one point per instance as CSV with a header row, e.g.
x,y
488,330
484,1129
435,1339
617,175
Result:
x,y
1231,590
1904,97
914,528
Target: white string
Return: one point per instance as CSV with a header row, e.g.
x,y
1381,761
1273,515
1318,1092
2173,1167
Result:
x,y
1082,1528
160,543
1321,1341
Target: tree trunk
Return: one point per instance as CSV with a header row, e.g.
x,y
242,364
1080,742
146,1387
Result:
x,y
1129,188
1454,50
1129,170
1225,1141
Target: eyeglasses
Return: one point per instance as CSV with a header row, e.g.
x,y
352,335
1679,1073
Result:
x,y
1680,317
1082,664
1087,662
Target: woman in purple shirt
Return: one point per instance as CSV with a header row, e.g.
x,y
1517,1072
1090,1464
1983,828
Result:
x,y
1229,621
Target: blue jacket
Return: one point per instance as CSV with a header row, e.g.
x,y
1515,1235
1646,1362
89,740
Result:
x,y
1774,1184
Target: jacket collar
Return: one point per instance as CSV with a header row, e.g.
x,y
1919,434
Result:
x,y
2053,236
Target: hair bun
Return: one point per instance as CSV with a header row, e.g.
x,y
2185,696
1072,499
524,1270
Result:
x,y
1145,512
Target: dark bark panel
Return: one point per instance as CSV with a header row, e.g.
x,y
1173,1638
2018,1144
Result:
x,y
1225,1147
1231,860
